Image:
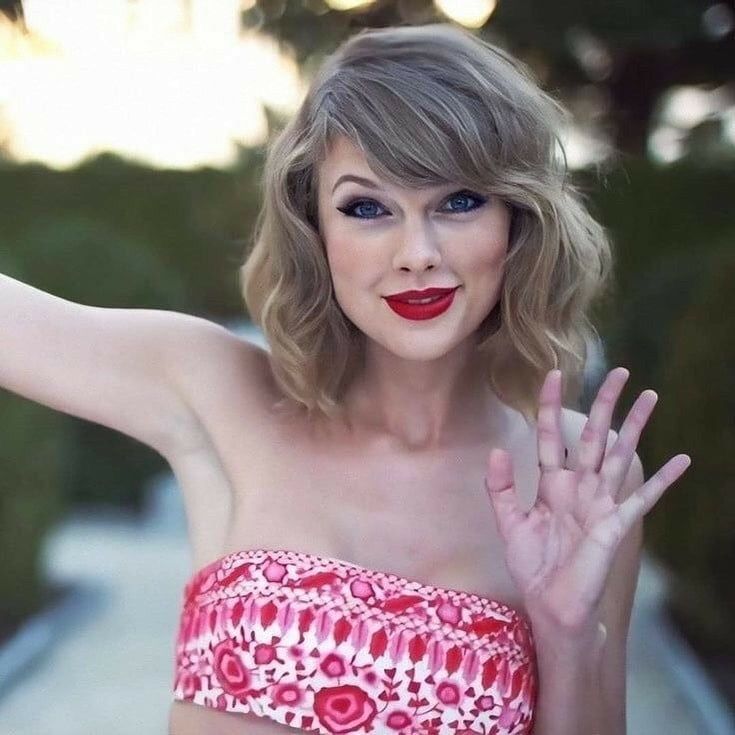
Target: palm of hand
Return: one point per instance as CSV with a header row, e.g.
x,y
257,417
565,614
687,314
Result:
x,y
559,553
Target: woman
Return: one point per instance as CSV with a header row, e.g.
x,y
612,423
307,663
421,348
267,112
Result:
x,y
396,526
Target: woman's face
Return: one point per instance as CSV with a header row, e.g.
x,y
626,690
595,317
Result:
x,y
381,239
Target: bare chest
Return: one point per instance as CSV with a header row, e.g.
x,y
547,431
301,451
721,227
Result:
x,y
422,516
256,482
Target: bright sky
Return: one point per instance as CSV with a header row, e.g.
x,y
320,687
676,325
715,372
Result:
x,y
160,81
177,83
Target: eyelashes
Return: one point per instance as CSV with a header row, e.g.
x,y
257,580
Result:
x,y
352,206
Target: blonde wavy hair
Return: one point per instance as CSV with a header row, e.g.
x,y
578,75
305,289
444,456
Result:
x,y
429,105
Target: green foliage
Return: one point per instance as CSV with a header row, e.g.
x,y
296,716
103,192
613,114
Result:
x,y
30,501
105,467
671,324
692,528
86,260
189,224
666,225
647,313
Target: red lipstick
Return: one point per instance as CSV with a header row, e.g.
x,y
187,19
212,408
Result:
x,y
442,300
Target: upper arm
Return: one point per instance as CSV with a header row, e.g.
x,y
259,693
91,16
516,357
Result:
x,y
110,366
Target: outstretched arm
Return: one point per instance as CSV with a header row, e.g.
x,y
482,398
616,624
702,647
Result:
x,y
110,366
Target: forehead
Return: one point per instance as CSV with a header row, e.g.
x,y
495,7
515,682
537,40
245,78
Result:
x,y
341,155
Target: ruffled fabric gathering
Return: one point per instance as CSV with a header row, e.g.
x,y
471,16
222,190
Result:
x,y
327,646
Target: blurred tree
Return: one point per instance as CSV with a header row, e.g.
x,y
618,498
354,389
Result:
x,y
628,52
12,8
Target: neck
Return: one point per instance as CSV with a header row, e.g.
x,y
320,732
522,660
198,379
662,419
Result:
x,y
422,405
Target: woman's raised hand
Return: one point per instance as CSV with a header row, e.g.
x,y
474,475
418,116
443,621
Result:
x,y
560,552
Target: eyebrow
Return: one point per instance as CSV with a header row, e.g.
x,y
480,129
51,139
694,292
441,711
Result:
x,y
357,179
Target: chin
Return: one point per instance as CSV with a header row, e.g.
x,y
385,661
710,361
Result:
x,y
420,348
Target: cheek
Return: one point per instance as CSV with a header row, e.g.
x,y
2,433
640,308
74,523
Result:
x,y
341,259
350,266
486,255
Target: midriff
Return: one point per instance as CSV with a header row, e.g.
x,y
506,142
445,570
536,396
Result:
x,y
186,718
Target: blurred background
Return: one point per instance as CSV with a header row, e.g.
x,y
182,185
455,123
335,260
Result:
x,y
132,135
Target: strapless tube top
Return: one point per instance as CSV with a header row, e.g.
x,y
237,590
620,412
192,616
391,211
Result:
x,y
327,646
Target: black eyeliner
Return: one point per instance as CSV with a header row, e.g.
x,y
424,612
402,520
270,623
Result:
x,y
482,200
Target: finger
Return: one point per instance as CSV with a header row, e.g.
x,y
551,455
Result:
x,y
550,443
588,491
502,492
593,440
648,494
593,561
617,463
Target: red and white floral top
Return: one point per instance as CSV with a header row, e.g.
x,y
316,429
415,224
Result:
x,y
327,646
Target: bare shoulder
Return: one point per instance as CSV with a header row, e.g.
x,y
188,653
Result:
x,y
214,369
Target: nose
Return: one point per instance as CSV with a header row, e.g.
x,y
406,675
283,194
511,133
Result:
x,y
418,250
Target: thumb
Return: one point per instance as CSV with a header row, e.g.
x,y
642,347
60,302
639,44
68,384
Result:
x,y
502,492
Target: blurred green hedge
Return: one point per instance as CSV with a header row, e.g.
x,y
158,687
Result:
x,y
693,528
31,501
672,324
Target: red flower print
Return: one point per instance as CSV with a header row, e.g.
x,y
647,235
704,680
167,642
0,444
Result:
x,y
333,665
448,613
448,692
233,676
344,708
487,626
318,579
521,636
189,684
274,572
361,589
401,603
508,715
485,702
398,720
264,653
287,694
352,661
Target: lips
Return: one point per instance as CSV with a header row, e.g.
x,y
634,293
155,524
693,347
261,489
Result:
x,y
405,296
420,312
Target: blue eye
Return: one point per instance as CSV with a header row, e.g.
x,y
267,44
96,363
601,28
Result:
x,y
467,195
352,207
